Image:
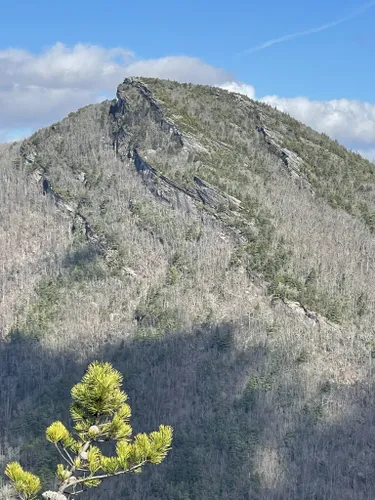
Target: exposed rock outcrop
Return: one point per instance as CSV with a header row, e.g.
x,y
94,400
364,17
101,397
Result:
x,y
132,92
78,221
166,188
290,159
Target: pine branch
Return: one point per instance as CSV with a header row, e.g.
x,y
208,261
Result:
x,y
97,398
102,476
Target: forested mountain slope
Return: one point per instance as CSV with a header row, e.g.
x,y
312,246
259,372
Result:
x,y
221,255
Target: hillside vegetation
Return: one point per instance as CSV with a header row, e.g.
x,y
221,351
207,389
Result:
x,y
221,255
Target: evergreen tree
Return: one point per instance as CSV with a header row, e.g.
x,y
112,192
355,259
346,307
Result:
x,y
100,414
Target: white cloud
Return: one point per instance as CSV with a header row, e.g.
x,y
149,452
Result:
x,y
38,89
239,88
180,68
83,66
346,120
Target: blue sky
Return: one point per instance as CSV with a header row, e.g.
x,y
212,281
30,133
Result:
x,y
207,42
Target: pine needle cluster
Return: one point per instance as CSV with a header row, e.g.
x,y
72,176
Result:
x,y
100,414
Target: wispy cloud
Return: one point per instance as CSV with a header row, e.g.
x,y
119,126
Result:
x,y
311,31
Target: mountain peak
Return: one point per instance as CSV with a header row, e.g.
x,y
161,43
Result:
x,y
220,254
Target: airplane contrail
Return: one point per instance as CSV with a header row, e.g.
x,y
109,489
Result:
x,y
311,31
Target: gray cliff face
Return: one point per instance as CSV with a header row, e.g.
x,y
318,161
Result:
x,y
136,109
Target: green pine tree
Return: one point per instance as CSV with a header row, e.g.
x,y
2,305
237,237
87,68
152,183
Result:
x,y
100,414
